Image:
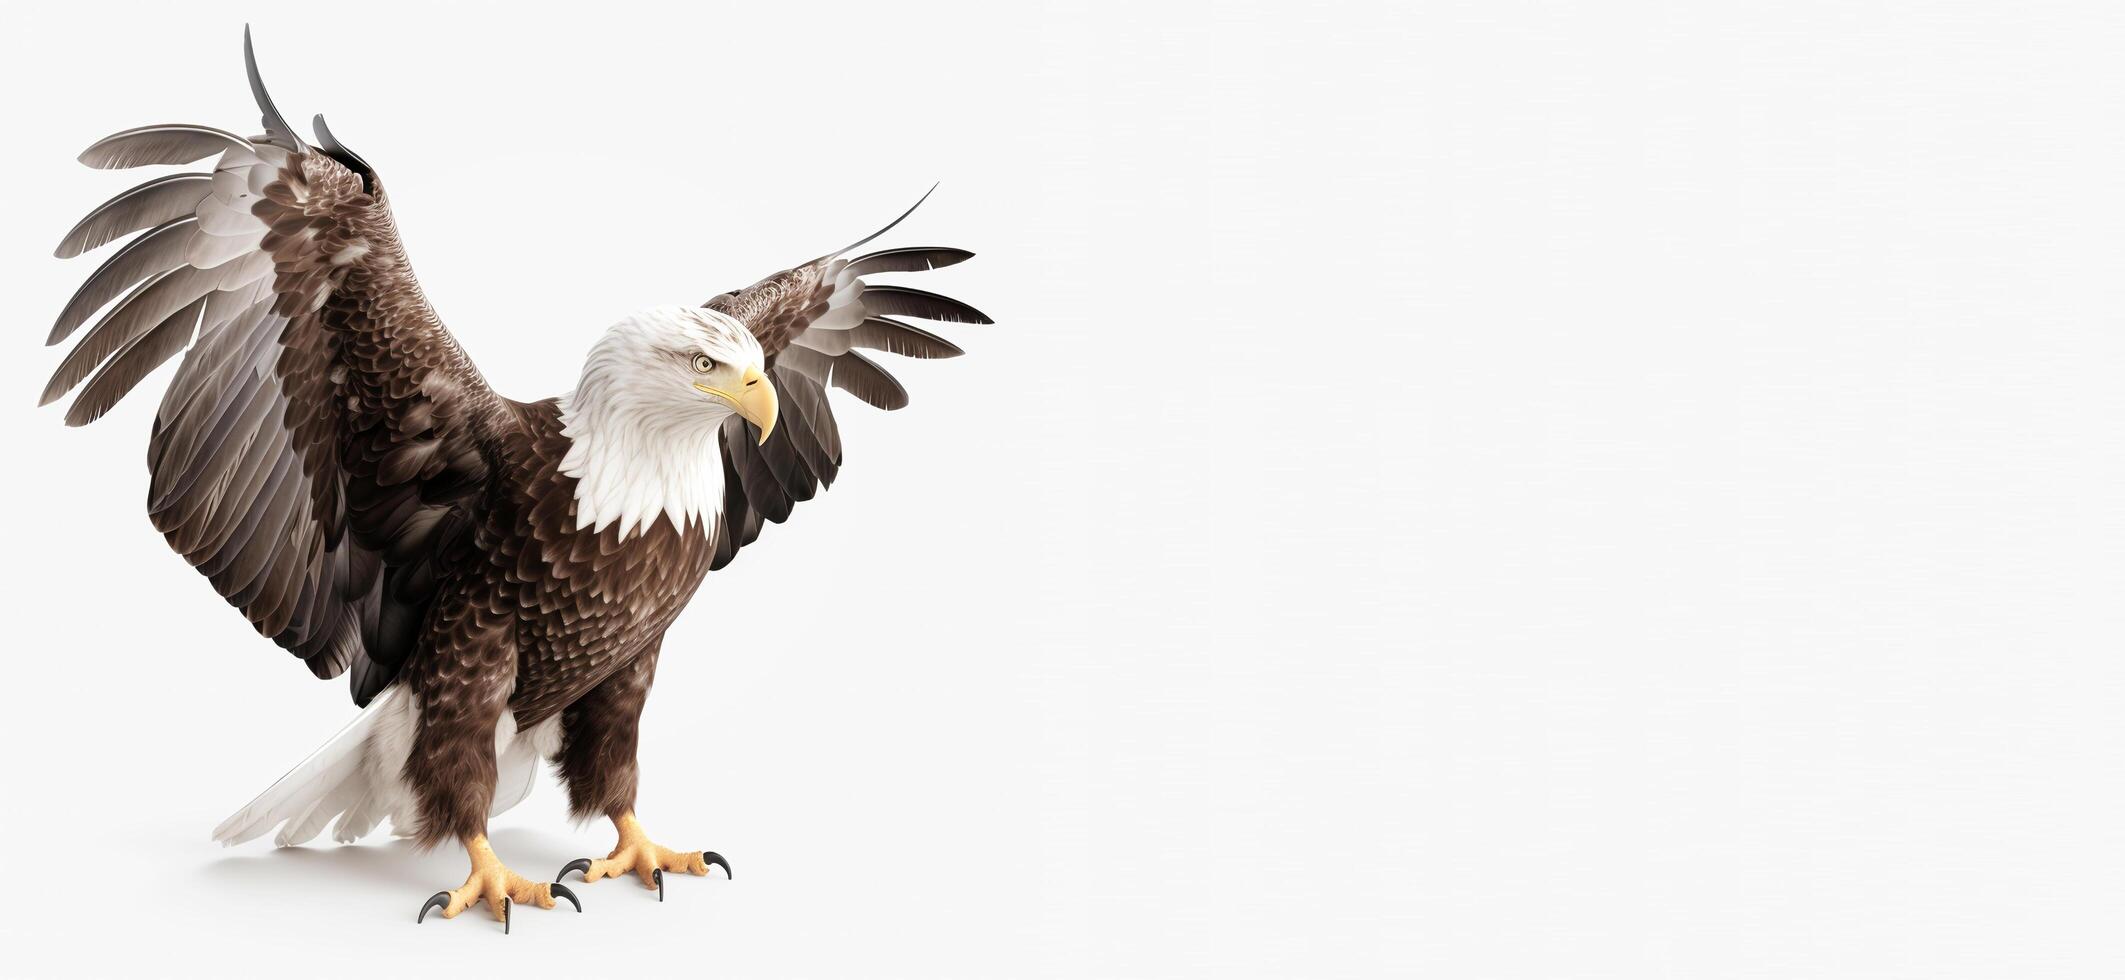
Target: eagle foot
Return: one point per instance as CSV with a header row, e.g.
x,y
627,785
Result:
x,y
638,855
501,889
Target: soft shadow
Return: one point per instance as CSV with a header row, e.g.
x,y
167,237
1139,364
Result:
x,y
390,862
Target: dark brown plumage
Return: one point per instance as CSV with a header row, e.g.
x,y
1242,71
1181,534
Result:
x,y
328,457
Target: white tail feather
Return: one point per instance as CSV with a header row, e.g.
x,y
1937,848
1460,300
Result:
x,y
295,795
355,778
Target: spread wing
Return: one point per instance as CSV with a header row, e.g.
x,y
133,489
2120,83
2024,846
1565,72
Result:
x,y
811,322
320,449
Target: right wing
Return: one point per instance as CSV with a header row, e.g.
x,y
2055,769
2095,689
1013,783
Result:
x,y
320,451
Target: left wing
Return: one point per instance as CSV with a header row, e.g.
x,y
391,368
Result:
x,y
320,453
810,321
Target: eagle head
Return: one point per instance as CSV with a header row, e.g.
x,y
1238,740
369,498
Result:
x,y
681,367
646,421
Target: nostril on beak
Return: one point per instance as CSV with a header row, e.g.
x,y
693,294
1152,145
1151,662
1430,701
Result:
x,y
752,382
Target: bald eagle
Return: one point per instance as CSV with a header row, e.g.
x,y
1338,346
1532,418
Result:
x,y
494,577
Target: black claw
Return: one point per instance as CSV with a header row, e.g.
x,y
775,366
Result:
x,y
659,875
711,857
505,917
579,864
562,891
439,900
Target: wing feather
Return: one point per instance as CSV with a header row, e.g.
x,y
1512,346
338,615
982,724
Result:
x,y
126,322
122,372
145,206
810,320
902,301
154,145
860,376
161,249
921,259
881,333
314,372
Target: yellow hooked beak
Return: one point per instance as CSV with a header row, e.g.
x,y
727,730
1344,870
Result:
x,y
754,400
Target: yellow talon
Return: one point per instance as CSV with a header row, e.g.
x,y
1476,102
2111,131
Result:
x,y
637,854
491,881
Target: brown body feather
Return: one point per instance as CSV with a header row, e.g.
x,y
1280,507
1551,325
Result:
x,y
541,616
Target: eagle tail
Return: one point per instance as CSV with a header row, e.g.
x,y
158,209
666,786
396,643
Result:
x,y
351,777
356,777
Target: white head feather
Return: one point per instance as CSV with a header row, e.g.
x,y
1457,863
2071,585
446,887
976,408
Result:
x,y
643,439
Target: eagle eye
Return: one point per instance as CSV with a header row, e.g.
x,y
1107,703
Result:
x,y
703,363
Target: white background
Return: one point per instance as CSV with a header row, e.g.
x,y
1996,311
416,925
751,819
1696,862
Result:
x,y
1461,490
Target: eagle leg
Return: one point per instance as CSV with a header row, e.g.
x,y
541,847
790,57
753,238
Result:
x,y
646,859
491,881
